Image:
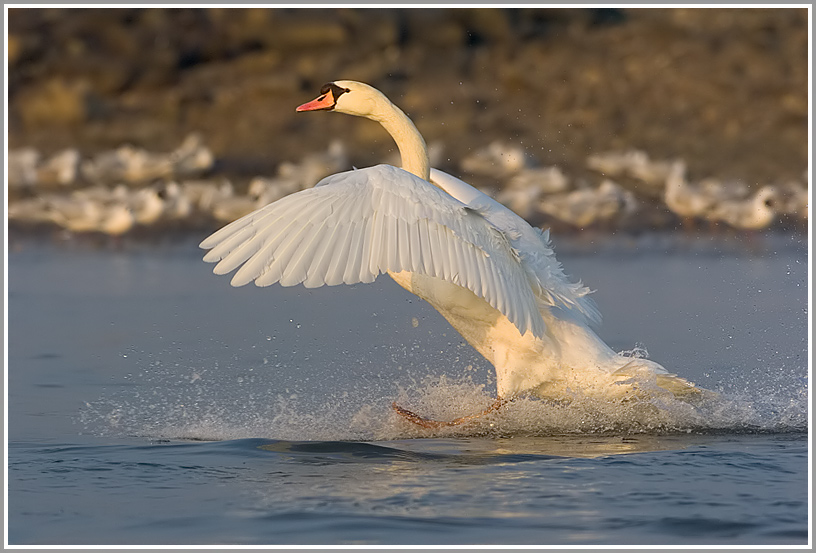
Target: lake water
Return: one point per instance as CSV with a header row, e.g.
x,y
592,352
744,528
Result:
x,y
151,403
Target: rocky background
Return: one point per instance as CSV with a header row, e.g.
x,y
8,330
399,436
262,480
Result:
x,y
724,90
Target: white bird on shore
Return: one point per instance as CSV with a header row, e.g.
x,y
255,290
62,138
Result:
x,y
545,180
684,200
31,210
229,209
489,273
116,219
95,209
102,194
271,190
589,206
315,166
525,189
76,213
146,205
62,168
753,213
191,157
22,167
791,199
633,163
497,160
204,195
131,164
177,206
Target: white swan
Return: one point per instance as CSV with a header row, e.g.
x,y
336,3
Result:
x,y
683,199
489,273
587,206
753,213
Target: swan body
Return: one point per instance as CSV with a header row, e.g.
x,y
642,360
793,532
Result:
x,y
752,213
22,168
525,189
633,163
792,199
485,269
60,169
588,206
147,206
717,201
496,160
682,198
132,164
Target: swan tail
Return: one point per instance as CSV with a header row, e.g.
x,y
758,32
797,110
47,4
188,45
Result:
x,y
580,306
646,374
680,387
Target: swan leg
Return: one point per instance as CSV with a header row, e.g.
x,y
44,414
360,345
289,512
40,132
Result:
x,y
431,423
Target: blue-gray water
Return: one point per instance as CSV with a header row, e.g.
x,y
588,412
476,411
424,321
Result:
x,y
151,403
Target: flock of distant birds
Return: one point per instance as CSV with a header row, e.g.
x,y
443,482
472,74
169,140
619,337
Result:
x,y
118,191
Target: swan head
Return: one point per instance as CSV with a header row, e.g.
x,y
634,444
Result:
x,y
362,100
767,197
350,97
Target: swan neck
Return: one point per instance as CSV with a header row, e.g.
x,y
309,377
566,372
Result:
x,y
412,148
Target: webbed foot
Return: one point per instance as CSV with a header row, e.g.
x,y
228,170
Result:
x,y
431,423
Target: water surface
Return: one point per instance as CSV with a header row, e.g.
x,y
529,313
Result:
x,y
151,403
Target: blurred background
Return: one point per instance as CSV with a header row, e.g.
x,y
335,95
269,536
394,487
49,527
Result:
x,y
667,149
136,118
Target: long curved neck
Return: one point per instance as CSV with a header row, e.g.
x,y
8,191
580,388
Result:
x,y
412,148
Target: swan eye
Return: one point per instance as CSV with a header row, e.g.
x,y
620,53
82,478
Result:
x,y
337,91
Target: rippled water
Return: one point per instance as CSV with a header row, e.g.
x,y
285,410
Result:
x,y
151,403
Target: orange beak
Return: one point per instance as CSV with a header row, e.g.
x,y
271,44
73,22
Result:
x,y
322,102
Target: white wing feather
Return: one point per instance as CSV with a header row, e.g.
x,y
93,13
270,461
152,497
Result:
x,y
355,225
532,246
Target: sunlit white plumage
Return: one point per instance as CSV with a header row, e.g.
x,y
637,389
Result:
x,y
486,270
752,213
353,226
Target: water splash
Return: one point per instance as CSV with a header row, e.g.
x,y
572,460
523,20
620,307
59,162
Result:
x,y
206,408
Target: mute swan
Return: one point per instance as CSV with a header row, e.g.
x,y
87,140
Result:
x,y
526,188
489,273
684,200
496,160
22,168
752,213
588,206
132,164
61,169
792,199
146,205
634,163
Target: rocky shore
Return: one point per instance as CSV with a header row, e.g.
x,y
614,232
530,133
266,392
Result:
x,y
721,91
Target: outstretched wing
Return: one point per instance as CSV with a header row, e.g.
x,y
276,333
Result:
x,y
353,226
544,272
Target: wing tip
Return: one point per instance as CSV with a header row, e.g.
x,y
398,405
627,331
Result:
x,y
210,258
238,280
